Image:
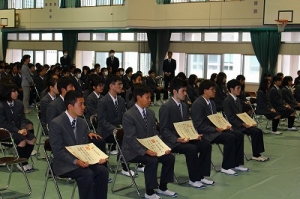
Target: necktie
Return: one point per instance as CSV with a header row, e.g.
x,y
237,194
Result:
x,y
112,59
145,118
169,60
11,108
73,124
210,107
116,107
237,103
179,107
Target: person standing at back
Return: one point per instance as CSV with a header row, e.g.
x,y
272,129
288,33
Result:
x,y
27,81
65,60
112,62
169,67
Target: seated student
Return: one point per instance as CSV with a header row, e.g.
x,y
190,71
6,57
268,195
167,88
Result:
x,y
152,83
135,79
287,94
232,106
13,119
175,110
264,107
127,78
246,106
192,88
233,141
297,79
46,100
78,83
285,110
139,122
39,80
297,92
221,91
69,129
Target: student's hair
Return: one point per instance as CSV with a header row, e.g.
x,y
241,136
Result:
x,y
240,77
177,84
111,51
30,66
128,70
7,89
280,74
96,66
140,90
220,78
112,80
169,52
25,57
51,82
205,85
65,51
103,69
151,71
232,84
77,70
96,81
135,76
276,78
120,69
213,77
192,79
263,86
63,83
286,80
66,70
71,97
181,75
265,75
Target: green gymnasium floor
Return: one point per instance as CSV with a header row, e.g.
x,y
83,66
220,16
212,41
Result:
x,y
278,178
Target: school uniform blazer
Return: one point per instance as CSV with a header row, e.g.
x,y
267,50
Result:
x,y
288,97
108,119
61,135
55,108
276,99
134,127
91,104
26,76
263,105
230,110
15,121
220,96
199,112
168,114
151,83
297,92
169,67
44,105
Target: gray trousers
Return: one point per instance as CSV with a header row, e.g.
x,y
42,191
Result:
x,y
26,96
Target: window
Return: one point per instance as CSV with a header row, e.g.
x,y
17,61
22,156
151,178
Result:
x,y
84,36
13,55
103,2
47,36
85,58
251,69
101,58
98,36
180,62
210,36
142,37
145,63
20,4
39,3
246,36
12,36
213,64
35,36
39,57
59,55
118,2
230,36
127,36
176,37
29,52
88,3
131,60
23,36
290,37
232,65
195,65
288,60
112,36
192,36
58,37
51,57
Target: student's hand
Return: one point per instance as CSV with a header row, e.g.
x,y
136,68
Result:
x,y
273,110
167,152
246,125
151,153
228,128
287,106
183,140
219,130
200,137
23,132
94,135
189,102
102,161
82,164
248,103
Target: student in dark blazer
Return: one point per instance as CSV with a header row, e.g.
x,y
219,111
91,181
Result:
x,y
135,80
69,129
13,119
152,83
39,80
233,141
78,83
232,107
112,62
287,94
127,78
139,122
169,67
277,102
175,110
297,93
264,107
193,89
221,91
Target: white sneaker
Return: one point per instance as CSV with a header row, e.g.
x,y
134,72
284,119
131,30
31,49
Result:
x,y
259,159
158,103
207,181
266,158
241,168
33,152
20,169
141,169
229,172
167,193
153,196
113,152
276,132
293,129
28,168
197,184
126,173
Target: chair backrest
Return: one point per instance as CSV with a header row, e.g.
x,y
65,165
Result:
x,y
118,134
94,120
47,145
4,134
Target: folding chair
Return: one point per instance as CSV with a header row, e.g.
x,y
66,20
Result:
x,y
118,135
48,149
212,164
6,138
40,131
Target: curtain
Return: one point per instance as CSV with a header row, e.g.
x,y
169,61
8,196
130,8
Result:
x,y
163,39
4,45
152,43
274,47
3,4
70,3
163,1
70,38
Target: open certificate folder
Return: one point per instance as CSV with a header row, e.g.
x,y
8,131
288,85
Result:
x,y
219,121
186,129
246,119
87,153
155,144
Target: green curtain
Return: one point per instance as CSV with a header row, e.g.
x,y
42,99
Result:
x,y
152,43
274,47
4,45
163,40
163,1
3,4
70,3
62,4
70,38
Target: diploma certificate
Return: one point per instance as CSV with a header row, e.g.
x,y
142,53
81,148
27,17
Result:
x,y
155,144
186,129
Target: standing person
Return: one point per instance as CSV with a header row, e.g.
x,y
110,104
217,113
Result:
x,y
175,110
27,82
68,129
169,67
112,62
65,60
139,122
297,79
